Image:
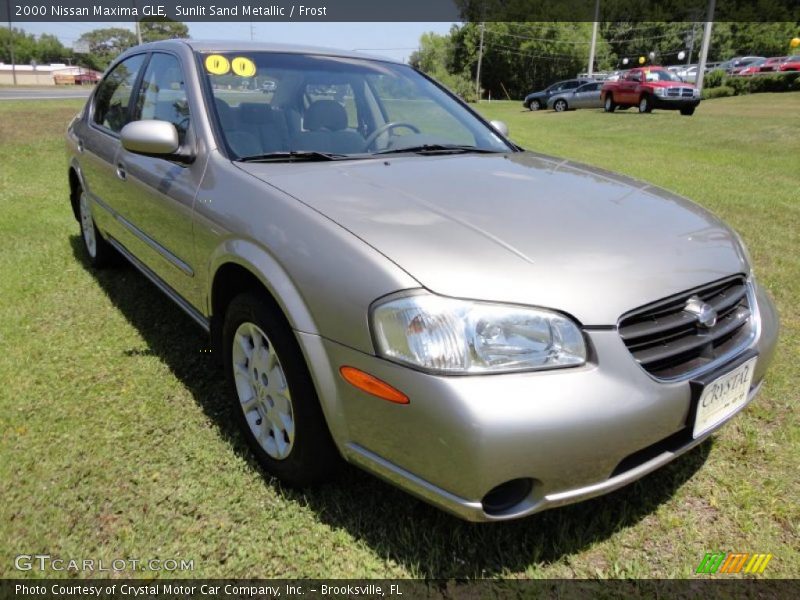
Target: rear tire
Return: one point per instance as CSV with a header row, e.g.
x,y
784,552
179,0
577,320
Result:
x,y
687,112
608,104
645,105
272,394
100,253
560,106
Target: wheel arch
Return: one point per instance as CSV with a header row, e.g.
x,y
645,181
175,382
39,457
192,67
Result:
x,y
242,266
247,267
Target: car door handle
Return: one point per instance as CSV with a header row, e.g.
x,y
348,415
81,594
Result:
x,y
121,171
80,146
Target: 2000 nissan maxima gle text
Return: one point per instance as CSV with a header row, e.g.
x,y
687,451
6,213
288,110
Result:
x,y
390,280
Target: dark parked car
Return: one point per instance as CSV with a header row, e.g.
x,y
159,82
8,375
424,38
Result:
x,y
585,96
537,100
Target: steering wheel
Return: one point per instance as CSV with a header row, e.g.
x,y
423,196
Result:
x,y
387,127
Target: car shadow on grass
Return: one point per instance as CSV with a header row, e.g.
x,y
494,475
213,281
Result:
x,y
398,528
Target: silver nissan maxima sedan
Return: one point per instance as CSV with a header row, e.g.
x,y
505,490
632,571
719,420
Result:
x,y
389,280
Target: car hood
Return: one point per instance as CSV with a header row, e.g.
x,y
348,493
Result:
x,y
519,228
669,84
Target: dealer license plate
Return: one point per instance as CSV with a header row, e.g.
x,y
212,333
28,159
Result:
x,y
723,397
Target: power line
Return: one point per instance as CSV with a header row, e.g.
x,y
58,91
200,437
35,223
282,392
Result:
x,y
533,39
376,49
566,58
522,51
585,43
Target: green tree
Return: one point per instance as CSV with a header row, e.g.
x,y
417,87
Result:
x,y
658,43
154,29
758,39
106,44
28,48
437,57
522,57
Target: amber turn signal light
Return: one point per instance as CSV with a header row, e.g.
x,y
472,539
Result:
x,y
372,385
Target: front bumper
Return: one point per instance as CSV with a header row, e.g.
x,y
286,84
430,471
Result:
x,y
665,102
575,433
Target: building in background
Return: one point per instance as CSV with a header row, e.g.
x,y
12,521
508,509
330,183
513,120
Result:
x,y
52,74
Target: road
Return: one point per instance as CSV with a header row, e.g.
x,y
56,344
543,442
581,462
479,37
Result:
x,y
43,93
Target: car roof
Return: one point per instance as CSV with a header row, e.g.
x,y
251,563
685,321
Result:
x,y
245,46
581,79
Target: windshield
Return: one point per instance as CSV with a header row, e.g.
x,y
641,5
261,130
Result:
x,y
277,104
661,75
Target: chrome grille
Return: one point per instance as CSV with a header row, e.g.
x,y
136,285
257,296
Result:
x,y
679,92
669,342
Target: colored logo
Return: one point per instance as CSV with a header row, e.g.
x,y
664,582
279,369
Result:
x,y
733,562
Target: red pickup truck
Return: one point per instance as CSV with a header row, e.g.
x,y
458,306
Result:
x,y
649,88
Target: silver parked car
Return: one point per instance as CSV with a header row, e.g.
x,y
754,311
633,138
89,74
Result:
x,y
390,281
585,96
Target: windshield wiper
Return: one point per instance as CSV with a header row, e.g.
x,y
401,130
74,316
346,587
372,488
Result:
x,y
293,155
439,149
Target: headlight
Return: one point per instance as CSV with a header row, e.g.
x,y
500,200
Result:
x,y
695,92
446,335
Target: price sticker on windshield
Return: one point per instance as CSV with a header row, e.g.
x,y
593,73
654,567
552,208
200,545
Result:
x,y
243,66
216,64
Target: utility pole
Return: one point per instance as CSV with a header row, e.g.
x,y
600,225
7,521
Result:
x,y
590,70
11,44
480,59
138,32
701,67
691,44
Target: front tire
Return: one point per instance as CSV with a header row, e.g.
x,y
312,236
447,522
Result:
x,y
100,253
608,104
273,397
687,112
534,105
560,106
645,105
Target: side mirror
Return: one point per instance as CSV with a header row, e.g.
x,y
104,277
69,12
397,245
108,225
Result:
x,y
150,137
500,126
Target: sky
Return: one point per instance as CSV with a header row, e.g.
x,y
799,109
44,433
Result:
x,y
394,40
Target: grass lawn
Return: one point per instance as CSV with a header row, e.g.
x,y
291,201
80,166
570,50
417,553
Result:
x,y
115,442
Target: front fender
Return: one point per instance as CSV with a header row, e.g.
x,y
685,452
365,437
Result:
x,y
262,265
